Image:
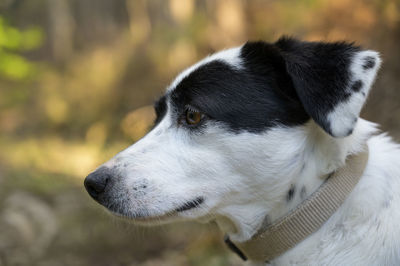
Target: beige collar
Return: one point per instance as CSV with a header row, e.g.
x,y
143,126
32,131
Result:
x,y
275,239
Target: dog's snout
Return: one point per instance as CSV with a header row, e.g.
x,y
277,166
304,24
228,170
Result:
x,y
96,182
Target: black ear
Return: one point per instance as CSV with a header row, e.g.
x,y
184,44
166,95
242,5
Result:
x,y
332,80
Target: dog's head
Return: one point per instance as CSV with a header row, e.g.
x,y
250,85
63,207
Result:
x,y
229,128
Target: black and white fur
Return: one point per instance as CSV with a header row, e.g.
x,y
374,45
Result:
x,y
276,118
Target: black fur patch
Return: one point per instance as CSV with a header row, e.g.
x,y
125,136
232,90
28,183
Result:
x,y
291,192
369,62
160,107
284,83
320,73
254,98
356,87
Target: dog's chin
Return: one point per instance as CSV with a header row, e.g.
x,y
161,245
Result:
x,y
154,220
187,211
145,220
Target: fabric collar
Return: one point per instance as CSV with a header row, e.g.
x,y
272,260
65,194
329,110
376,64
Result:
x,y
277,238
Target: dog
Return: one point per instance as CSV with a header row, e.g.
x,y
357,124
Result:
x,y
246,135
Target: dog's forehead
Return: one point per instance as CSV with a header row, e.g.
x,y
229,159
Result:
x,y
229,56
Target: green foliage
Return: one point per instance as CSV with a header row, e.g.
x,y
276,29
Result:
x,y
12,42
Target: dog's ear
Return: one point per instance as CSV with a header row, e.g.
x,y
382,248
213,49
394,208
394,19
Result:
x,y
332,80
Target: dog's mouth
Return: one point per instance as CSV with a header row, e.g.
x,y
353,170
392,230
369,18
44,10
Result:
x,y
144,217
190,204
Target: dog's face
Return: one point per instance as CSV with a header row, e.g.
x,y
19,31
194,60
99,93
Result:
x,y
226,128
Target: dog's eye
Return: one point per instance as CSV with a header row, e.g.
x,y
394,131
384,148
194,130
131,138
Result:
x,y
193,117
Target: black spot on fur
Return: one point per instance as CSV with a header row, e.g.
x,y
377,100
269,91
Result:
x,y
349,131
356,87
303,192
369,62
291,192
160,107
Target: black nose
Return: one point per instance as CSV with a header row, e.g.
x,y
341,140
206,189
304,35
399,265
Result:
x,y
96,182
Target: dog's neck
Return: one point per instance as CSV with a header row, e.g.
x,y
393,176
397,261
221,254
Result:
x,y
313,154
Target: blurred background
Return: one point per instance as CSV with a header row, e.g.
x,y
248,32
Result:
x,y
77,83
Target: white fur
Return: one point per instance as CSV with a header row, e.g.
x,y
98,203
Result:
x,y
245,177
229,56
